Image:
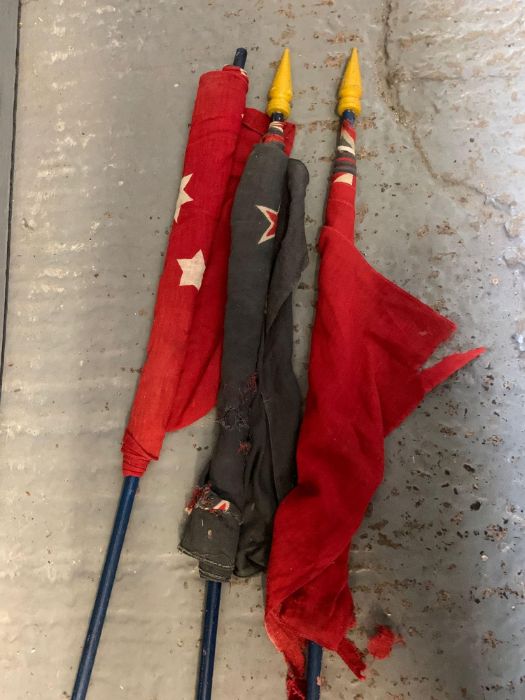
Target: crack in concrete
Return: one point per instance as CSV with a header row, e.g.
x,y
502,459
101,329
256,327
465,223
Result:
x,y
393,99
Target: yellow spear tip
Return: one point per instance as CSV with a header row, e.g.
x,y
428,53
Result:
x,y
350,90
281,92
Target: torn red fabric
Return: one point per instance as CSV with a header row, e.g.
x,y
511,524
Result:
x,y
370,342
382,643
180,377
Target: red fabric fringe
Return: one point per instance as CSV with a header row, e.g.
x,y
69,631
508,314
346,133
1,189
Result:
x,y
382,643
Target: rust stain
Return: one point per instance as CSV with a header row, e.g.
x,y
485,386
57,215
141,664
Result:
x,y
368,122
361,213
330,124
489,639
343,37
445,229
287,11
495,533
385,541
364,154
335,60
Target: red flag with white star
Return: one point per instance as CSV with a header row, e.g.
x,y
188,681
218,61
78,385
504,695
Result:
x,y
370,342
180,377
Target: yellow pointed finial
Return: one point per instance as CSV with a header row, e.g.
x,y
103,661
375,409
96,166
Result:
x,y
350,90
281,92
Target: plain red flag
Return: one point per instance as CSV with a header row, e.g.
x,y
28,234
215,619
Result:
x,y
180,377
370,341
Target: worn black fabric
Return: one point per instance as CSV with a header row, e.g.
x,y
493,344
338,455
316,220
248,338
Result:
x,y
259,406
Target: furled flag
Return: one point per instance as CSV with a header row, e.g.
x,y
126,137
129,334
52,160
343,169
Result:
x,y
370,342
259,406
180,377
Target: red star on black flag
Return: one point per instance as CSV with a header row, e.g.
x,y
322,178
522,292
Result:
x,y
271,216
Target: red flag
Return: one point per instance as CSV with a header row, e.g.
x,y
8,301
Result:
x,y
180,377
370,341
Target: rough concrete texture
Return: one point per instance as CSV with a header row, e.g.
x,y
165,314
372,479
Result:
x,y
105,96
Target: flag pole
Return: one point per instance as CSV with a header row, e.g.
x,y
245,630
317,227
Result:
x,y
107,578
278,109
239,60
116,542
212,595
313,671
348,107
210,624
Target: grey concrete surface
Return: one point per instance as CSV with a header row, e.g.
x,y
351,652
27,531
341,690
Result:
x,y
8,46
104,98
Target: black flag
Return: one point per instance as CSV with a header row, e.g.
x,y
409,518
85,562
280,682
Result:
x,y
259,407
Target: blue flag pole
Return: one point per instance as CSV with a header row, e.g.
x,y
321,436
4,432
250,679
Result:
x,y
209,639
313,671
213,588
105,586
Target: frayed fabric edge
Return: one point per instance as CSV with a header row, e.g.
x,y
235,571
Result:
x,y
380,645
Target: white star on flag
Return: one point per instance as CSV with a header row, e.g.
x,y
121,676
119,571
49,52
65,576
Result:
x,y
271,216
183,195
347,178
192,270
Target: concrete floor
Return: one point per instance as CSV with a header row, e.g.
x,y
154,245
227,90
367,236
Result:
x,y
8,48
105,94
